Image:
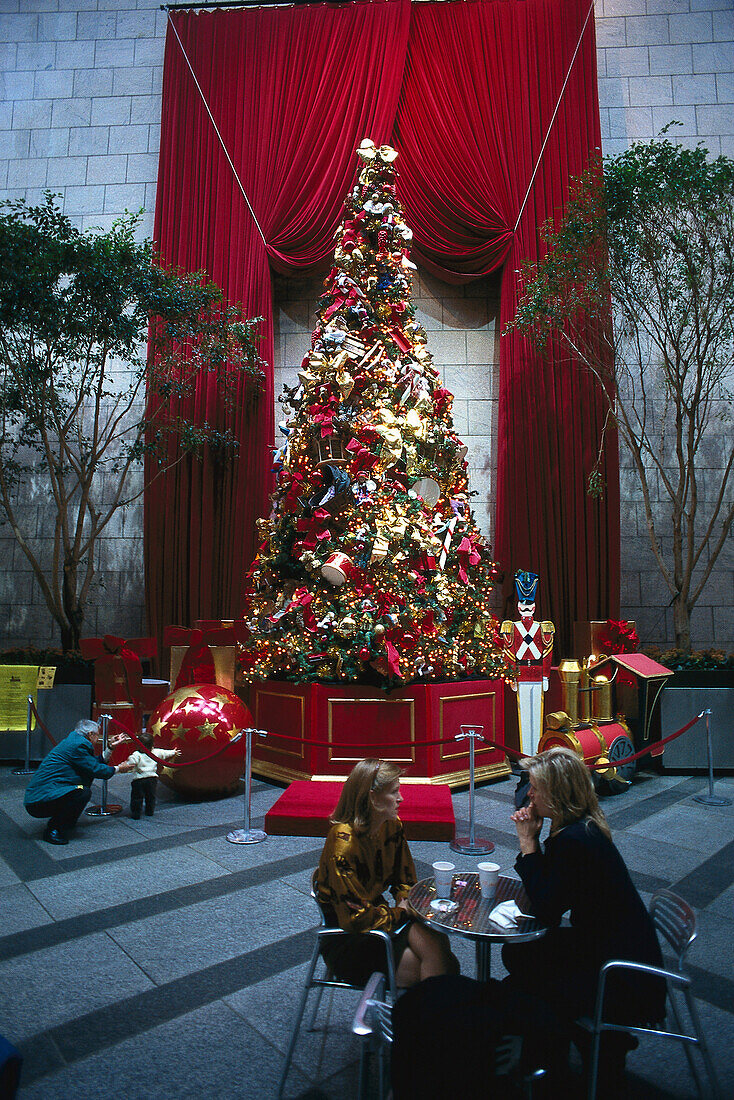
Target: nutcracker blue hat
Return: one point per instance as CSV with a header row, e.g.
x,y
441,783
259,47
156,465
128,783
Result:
x,y
526,585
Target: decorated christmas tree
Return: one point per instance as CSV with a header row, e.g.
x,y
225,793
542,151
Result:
x,y
370,568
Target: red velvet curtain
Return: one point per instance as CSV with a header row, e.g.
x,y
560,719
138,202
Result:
x,y
293,92
481,84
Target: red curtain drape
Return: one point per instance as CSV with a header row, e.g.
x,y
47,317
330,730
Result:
x,y
481,84
293,92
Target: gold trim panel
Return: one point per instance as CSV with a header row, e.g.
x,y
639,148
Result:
x,y
463,747
408,759
276,743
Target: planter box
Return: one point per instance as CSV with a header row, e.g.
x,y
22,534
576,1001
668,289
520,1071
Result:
x,y
688,752
59,709
334,726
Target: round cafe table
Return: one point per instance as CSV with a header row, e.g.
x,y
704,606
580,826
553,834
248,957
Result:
x,y
471,916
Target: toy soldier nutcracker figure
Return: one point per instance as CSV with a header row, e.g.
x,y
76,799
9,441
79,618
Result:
x,y
530,645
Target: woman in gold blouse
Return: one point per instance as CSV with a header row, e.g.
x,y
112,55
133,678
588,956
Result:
x,y
365,854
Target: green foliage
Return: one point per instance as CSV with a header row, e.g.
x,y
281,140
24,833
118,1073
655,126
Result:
x,y
638,283
82,400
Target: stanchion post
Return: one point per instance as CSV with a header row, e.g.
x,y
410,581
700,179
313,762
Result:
x,y
470,846
248,835
710,799
104,809
27,769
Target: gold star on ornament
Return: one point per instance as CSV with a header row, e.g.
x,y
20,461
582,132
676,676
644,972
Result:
x,y
178,733
221,699
208,729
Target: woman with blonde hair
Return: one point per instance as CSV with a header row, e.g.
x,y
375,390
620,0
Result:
x,y
365,855
580,872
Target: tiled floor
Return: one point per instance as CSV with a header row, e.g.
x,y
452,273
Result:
x,y
153,959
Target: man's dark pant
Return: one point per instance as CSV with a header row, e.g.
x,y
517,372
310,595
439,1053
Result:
x,y
63,812
143,789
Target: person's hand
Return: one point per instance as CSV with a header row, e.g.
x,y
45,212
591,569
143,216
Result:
x,y
125,766
528,824
117,739
403,904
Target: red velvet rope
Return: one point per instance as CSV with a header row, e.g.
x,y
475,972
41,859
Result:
x,y
168,763
655,747
39,721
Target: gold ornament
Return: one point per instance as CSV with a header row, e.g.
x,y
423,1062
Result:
x,y
347,627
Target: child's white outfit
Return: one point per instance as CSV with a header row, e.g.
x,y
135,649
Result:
x,y
145,780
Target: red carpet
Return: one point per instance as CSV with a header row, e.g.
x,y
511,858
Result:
x,y
304,809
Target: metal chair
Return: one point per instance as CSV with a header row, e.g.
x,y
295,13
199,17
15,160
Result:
x,y
373,1025
324,935
676,922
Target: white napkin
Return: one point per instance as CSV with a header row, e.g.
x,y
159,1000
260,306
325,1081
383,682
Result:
x,y
506,914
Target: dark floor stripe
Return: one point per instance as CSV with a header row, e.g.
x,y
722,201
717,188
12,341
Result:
x,y
710,879
73,928
644,808
27,858
133,1016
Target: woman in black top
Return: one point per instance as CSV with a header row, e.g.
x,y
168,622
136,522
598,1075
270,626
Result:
x,y
580,872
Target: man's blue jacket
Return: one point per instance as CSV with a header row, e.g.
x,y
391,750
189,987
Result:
x,y
71,764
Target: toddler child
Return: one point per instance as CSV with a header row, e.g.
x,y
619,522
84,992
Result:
x,y
145,776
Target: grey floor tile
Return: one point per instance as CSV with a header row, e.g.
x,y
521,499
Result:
x,y
127,879
19,910
173,944
59,984
210,1053
685,825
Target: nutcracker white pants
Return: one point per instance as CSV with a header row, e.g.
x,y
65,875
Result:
x,y
530,714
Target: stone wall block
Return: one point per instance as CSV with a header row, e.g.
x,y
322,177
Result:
x,y
712,57
694,89
723,25
100,169
93,82
651,31
35,55
610,32
666,7
27,173
723,628
108,54
448,347
57,27
49,143
142,168
128,139
32,114
96,24
110,110
92,141
123,196
671,59
136,24
54,84
714,120
83,200
652,90
75,55
145,108
686,116
66,171
16,27
630,61
132,81
149,51
71,112
696,27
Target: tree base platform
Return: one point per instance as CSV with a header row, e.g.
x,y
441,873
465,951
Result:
x,y
327,728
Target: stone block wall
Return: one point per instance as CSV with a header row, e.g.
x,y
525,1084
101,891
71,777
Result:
x,y
79,114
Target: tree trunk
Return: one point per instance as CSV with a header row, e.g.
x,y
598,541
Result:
x,y
682,624
71,630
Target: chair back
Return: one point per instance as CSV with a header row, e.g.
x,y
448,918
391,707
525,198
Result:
x,y
675,921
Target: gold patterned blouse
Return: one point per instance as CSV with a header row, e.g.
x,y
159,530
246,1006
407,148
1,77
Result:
x,y
356,869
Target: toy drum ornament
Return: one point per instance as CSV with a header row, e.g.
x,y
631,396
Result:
x,y
337,568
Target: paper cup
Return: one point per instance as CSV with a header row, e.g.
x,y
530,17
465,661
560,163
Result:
x,y
488,875
444,874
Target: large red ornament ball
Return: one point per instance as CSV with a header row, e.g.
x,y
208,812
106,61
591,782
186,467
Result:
x,y
201,720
